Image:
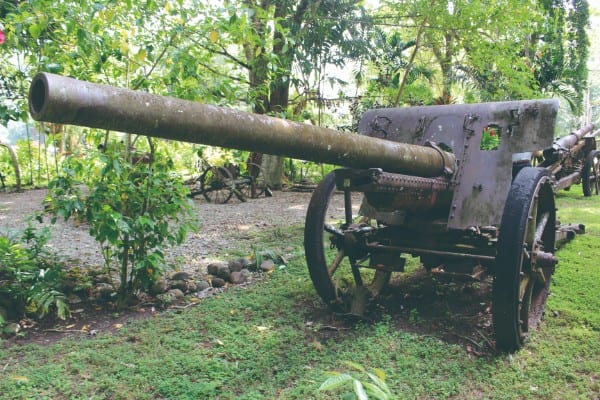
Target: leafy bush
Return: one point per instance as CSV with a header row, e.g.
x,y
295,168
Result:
x,y
134,210
30,276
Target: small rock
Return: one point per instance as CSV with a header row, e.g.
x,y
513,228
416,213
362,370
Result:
x,y
247,274
74,299
245,262
181,276
159,287
212,268
202,285
224,272
235,266
267,266
177,284
237,277
191,287
176,293
251,265
103,278
104,291
12,328
217,282
165,298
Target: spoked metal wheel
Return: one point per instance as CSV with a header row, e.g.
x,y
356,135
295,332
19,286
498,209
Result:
x,y
525,260
253,183
590,175
195,186
216,185
343,281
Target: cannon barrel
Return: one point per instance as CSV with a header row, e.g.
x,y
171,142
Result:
x,y
63,100
566,142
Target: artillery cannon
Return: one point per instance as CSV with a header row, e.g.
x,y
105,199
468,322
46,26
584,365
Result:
x,y
574,159
430,188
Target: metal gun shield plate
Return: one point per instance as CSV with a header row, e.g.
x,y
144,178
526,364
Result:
x,y
483,177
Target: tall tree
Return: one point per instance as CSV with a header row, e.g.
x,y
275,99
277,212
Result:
x,y
562,50
308,35
474,42
281,35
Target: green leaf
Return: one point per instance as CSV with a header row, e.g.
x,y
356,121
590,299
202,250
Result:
x,y
380,373
376,391
359,390
355,366
35,31
379,382
335,382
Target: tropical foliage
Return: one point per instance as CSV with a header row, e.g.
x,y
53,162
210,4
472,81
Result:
x,y
134,210
293,58
31,277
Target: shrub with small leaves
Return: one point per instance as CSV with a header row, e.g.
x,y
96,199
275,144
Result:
x,y
134,211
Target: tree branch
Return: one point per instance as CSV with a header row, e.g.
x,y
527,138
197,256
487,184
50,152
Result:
x,y
222,52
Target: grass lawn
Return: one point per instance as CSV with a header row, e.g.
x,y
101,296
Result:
x,y
275,340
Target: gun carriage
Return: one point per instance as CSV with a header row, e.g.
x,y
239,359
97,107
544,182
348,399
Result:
x,y
430,188
574,159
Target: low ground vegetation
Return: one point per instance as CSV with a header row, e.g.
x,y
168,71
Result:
x,y
275,339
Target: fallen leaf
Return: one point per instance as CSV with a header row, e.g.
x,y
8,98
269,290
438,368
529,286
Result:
x,y
317,345
262,328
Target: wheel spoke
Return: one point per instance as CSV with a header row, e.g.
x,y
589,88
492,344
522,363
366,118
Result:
x,y
542,223
356,273
524,307
531,222
339,257
523,285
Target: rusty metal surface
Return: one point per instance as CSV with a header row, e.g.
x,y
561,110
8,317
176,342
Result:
x,y
567,156
63,100
567,142
387,191
483,177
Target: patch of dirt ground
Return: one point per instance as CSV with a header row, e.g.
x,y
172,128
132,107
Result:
x,y
418,302
223,226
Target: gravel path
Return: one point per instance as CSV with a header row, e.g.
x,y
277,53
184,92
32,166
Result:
x,y
223,226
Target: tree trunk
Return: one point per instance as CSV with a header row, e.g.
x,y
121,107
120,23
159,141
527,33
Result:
x,y
275,102
15,162
272,168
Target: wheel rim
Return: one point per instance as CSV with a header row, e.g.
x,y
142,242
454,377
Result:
x,y
217,185
590,173
195,186
252,181
525,263
342,281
